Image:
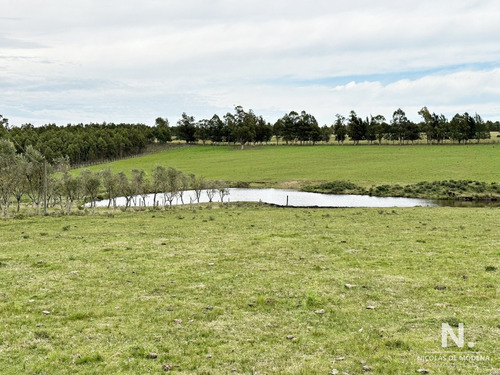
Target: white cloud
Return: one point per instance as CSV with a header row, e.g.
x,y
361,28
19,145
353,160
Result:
x,y
128,61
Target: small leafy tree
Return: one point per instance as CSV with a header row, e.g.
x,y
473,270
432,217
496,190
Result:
x,y
7,172
91,182
71,189
198,184
110,184
222,190
160,182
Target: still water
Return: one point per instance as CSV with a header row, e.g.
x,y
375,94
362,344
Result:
x,y
284,197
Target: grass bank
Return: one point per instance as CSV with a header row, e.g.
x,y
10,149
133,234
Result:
x,y
280,292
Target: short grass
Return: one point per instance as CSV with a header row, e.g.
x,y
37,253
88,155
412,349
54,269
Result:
x,y
249,289
363,165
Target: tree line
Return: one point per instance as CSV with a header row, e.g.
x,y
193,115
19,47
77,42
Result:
x,y
96,142
29,177
245,127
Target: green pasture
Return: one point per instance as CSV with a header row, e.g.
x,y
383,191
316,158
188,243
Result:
x,y
296,165
251,289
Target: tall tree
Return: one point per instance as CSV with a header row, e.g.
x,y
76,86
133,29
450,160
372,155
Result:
x,y
279,130
162,130
340,129
399,124
244,126
356,128
482,131
186,128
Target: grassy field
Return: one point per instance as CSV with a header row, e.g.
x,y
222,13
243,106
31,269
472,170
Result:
x,y
363,165
250,289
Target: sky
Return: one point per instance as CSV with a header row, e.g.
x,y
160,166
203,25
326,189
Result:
x,y
133,61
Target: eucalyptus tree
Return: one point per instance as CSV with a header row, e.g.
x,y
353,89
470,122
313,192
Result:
x,y
245,124
162,130
326,133
263,131
399,124
186,128
379,127
481,130
203,130
216,129
278,130
356,128
340,129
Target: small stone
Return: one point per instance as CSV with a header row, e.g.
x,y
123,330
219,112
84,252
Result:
x,y
335,372
367,368
31,300
40,262
45,312
178,321
422,371
465,277
209,308
170,309
152,355
250,304
440,287
370,307
340,358
208,356
349,286
290,337
166,367
320,311
211,264
360,330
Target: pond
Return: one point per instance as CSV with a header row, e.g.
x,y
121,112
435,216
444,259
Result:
x,y
286,197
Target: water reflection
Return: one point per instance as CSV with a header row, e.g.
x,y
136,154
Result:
x,y
281,197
